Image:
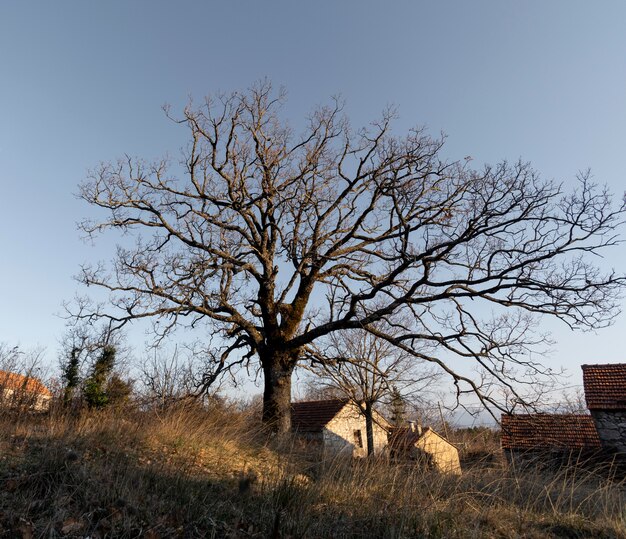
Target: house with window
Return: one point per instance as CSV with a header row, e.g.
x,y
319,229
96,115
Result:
x,y
25,392
337,426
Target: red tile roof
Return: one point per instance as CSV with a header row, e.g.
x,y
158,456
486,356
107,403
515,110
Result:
x,y
605,386
549,431
18,382
403,438
313,416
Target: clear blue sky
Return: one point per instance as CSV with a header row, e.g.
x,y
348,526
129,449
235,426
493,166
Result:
x,y
83,82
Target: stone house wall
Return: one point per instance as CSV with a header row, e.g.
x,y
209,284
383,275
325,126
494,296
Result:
x,y
346,433
611,427
441,453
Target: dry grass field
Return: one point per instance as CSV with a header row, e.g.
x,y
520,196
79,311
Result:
x,y
197,473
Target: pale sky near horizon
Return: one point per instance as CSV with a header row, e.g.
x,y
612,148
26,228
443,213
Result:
x,y
83,82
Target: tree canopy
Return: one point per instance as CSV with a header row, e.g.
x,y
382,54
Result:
x,y
274,239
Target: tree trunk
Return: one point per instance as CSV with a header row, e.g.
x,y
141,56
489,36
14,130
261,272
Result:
x,y
277,373
369,427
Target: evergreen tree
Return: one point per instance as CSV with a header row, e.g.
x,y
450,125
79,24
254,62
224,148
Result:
x,y
95,390
71,375
397,407
118,390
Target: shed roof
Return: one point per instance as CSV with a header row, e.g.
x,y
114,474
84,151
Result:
x,y
549,431
19,382
313,416
605,386
403,438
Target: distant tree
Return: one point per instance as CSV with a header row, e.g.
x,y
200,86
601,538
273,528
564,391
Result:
x,y
76,345
317,390
85,349
118,390
95,390
167,379
70,373
397,407
571,401
276,239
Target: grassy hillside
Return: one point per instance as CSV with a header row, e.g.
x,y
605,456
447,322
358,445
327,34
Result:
x,y
195,473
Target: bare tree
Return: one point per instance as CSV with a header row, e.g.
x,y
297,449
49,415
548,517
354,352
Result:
x,y
571,400
275,240
168,379
368,370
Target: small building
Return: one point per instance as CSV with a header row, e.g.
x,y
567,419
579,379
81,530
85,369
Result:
x,y
605,393
337,426
549,438
25,392
426,447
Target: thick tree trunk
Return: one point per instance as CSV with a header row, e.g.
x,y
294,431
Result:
x,y
277,373
369,427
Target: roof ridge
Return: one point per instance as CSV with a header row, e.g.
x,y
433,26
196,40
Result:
x,y
343,399
545,414
603,365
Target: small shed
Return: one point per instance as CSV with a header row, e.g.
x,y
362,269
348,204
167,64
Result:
x,y
337,426
551,438
426,446
26,392
605,393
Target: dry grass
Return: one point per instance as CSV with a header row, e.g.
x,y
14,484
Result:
x,y
191,473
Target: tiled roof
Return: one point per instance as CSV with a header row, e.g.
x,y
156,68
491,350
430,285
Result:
x,y
18,382
403,438
605,386
549,431
313,416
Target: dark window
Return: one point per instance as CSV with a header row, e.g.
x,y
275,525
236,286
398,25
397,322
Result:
x,y
358,438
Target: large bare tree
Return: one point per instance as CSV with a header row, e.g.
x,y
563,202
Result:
x,y
275,239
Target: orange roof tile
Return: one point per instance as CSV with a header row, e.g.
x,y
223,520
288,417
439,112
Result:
x,y
605,386
549,431
14,381
313,416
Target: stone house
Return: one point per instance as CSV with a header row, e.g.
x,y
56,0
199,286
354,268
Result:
x,y
605,394
337,426
426,447
26,392
549,438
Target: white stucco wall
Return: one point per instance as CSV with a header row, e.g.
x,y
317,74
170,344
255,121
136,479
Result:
x,y
339,434
443,455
